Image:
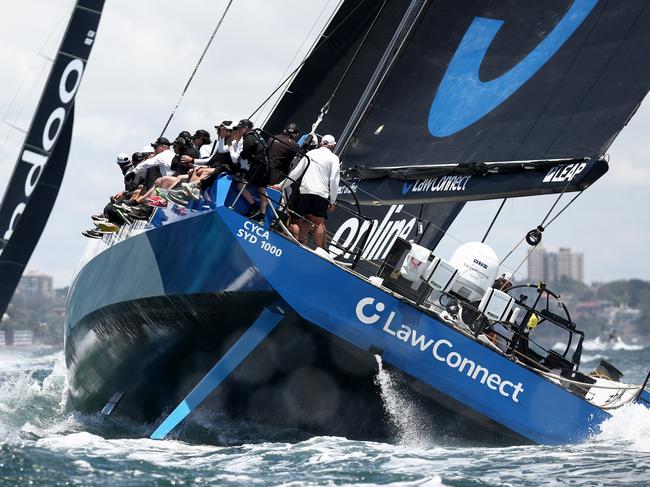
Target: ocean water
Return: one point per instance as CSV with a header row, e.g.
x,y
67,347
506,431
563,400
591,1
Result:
x,y
41,443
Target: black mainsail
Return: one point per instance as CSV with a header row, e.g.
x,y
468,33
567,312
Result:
x,y
37,176
485,88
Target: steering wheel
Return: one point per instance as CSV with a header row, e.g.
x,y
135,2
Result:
x,y
545,298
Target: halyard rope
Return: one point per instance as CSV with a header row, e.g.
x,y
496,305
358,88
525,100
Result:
x,y
187,85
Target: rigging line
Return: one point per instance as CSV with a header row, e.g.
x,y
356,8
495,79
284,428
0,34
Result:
x,y
325,108
512,250
15,127
38,54
354,57
565,207
295,55
532,249
494,220
409,22
547,225
319,43
24,102
205,50
557,200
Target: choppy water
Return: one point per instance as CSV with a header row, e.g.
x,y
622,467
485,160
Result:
x,y
42,443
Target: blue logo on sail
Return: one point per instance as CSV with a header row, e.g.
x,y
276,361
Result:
x,y
462,98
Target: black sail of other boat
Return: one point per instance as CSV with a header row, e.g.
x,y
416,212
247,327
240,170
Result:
x,y
37,176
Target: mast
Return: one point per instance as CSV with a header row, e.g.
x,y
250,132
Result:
x,y
37,176
410,18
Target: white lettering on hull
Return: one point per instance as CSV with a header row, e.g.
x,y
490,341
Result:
x,y
368,311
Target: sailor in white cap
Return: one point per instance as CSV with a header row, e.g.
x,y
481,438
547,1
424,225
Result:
x,y
124,161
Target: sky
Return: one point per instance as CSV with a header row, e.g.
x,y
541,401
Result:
x,y
144,54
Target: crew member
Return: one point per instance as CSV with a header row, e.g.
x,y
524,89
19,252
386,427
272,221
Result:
x,y
320,174
281,151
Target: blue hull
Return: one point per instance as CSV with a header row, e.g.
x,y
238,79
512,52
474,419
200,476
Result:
x,y
419,345
148,317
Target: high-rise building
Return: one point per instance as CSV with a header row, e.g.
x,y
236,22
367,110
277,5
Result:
x,y
551,269
536,264
35,285
570,265
554,266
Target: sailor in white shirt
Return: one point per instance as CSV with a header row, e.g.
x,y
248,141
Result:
x,y
162,158
320,173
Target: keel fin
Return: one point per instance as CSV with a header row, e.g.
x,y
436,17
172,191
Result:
x,y
258,331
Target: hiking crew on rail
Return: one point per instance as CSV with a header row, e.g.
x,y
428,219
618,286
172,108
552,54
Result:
x,y
179,171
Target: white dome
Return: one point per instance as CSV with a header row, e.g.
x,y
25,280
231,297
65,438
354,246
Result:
x,y
478,267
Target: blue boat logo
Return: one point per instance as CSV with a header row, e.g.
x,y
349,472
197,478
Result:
x,y
407,187
462,98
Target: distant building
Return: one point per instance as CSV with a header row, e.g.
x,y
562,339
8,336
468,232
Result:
x,y
554,266
536,264
61,293
35,285
551,267
570,264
